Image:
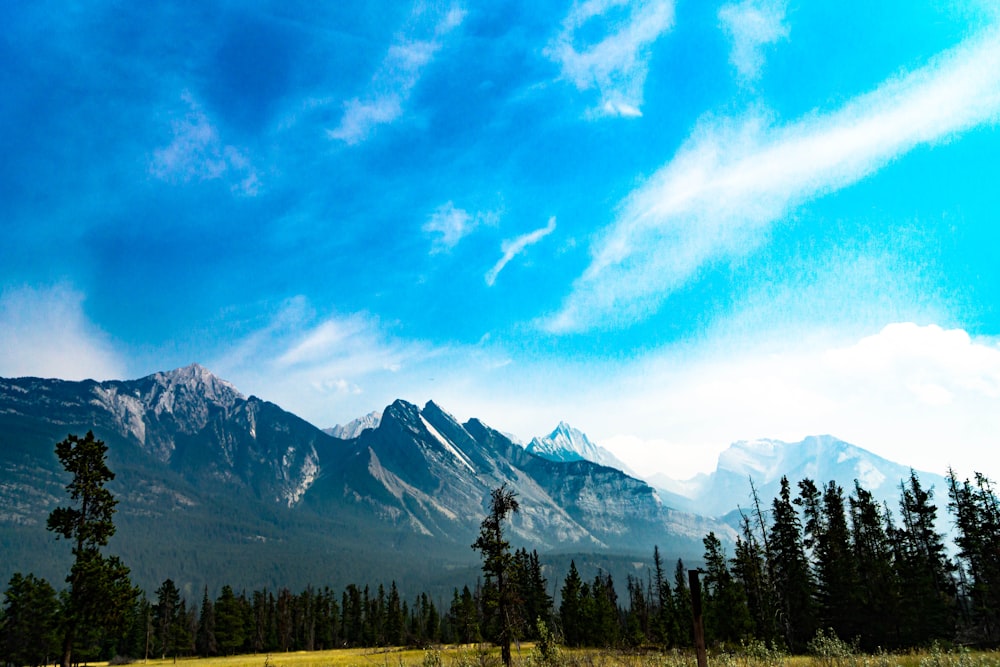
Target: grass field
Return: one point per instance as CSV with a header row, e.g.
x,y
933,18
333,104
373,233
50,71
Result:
x,y
527,656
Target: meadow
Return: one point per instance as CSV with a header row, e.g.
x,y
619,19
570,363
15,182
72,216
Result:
x,y
529,656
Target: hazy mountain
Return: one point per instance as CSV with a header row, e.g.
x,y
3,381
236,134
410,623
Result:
x,y
820,458
353,429
566,443
219,488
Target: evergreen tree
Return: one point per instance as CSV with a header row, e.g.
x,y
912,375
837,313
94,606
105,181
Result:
x,y
205,642
792,578
927,584
495,550
637,627
682,603
28,622
170,620
727,618
878,591
100,592
605,621
836,570
570,607
464,617
230,629
977,520
394,618
663,624
531,587
751,571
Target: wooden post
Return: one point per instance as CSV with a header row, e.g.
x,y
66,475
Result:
x,y
699,628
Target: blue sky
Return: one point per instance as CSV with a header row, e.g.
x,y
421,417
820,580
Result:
x,y
672,224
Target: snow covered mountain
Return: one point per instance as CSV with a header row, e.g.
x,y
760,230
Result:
x,y
566,443
820,458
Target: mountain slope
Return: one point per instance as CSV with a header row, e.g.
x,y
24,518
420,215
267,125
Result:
x,y
218,487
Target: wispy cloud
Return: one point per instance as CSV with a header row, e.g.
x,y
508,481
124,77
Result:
x,y
46,333
395,79
616,63
449,225
513,247
734,178
752,25
196,152
333,368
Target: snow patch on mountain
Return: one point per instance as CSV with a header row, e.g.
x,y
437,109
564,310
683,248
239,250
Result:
x,y
447,445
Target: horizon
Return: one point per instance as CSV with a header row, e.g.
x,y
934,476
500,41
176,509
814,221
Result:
x,y
672,226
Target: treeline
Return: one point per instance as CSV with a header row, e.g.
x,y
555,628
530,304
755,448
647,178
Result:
x,y
262,621
817,561
814,559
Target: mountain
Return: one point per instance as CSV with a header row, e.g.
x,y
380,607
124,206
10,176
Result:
x,y
216,487
353,429
820,458
566,443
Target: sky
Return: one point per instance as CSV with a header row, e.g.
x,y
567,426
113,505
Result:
x,y
674,225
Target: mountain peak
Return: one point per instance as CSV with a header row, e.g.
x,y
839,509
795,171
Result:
x,y
566,443
196,377
356,427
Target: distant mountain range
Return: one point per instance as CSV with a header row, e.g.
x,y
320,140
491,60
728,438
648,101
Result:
x,y
820,458
216,487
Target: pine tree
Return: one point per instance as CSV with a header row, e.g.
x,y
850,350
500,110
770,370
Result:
x,y
977,519
878,589
750,568
927,584
169,620
663,624
100,592
205,642
727,618
230,630
495,550
570,611
28,622
605,622
682,604
793,581
836,570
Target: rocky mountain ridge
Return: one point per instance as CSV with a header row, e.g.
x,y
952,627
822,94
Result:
x,y
213,481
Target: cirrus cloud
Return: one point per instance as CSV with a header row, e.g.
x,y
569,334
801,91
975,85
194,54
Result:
x,y
734,178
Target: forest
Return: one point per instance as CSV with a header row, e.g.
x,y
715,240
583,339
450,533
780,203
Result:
x,y
814,563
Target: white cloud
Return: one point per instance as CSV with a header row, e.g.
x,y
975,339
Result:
x,y
513,247
752,25
617,63
395,79
331,369
451,225
734,178
197,153
45,333
919,395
